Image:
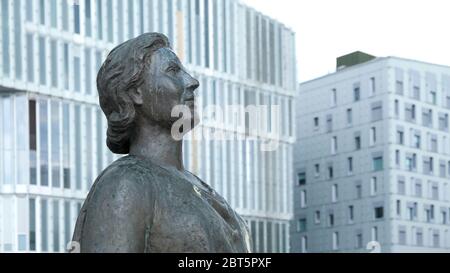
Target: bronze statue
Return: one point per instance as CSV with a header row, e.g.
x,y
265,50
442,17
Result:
x,y
146,201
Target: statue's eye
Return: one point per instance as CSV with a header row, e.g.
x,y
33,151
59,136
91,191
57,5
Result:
x,y
173,69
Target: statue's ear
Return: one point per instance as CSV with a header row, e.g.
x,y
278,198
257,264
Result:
x,y
136,94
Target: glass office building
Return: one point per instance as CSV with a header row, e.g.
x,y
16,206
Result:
x,y
52,132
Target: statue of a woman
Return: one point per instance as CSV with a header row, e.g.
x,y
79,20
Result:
x,y
146,201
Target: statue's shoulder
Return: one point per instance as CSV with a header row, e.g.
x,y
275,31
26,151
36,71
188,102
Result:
x,y
128,167
127,172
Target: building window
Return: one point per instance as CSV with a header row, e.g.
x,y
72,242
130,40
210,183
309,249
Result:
x,y
334,145
356,93
359,240
397,157
331,219
67,221
42,61
32,224
358,189
303,199
435,192
410,112
317,217
316,170
350,214
373,186
442,169
42,14
427,118
357,143
433,97
43,130
378,212
401,188
378,163
301,178
335,240
333,97
33,141
304,244
350,165
416,92
436,240
349,116
400,137
402,237
377,111
396,108
399,87
428,165
334,193
373,89
374,233
66,146
316,123
329,123
301,225
419,238
399,208
330,172
416,141
55,147
443,122
373,136
433,144
76,16
44,225
418,189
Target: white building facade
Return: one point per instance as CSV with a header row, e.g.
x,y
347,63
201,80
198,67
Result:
x,y
52,132
373,159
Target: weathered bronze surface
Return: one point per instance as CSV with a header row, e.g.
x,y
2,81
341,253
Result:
x,y
146,201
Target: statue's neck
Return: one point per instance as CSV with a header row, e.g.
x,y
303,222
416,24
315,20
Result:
x,y
157,144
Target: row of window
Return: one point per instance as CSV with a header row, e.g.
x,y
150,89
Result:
x,y
410,211
430,166
417,188
243,173
336,242
224,96
269,236
61,137
422,237
208,31
56,220
56,64
378,214
377,166
374,189
376,109
356,91
432,90
428,116
417,139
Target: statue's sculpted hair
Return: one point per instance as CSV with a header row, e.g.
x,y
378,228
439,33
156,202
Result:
x,y
121,72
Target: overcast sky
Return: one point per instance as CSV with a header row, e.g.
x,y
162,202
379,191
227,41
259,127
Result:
x,y
326,29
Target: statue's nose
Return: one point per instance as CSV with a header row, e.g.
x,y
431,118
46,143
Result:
x,y
192,84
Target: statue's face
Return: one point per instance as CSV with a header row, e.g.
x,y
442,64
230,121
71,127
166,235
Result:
x,y
166,85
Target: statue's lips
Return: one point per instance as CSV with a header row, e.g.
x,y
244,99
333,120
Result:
x,y
189,99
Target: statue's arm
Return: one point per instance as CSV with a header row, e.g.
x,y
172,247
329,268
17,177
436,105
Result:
x,y
117,217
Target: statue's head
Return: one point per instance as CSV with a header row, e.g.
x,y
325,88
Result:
x,y
142,80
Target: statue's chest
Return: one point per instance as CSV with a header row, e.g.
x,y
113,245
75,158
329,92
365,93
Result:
x,y
192,218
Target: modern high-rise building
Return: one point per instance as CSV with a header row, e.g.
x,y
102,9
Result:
x,y
373,158
52,132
